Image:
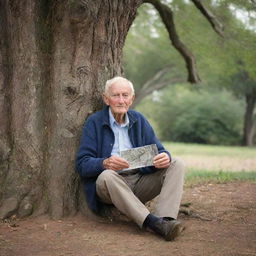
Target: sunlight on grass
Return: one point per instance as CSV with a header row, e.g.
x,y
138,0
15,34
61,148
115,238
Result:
x,y
201,176
209,163
210,150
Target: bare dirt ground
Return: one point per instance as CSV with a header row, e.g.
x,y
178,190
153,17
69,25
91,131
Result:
x,y
222,222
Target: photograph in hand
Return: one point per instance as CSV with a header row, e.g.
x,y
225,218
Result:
x,y
139,157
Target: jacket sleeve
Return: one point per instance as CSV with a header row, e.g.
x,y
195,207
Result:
x,y
88,164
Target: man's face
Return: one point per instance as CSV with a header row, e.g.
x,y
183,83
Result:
x,y
119,97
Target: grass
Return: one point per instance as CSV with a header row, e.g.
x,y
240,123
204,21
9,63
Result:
x,y
201,177
215,164
210,150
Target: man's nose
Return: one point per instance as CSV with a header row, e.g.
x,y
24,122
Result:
x,y
121,99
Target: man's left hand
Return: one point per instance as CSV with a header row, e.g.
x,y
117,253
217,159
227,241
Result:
x,y
161,161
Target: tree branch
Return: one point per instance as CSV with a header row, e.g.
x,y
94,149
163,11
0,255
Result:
x,y
253,4
155,83
217,26
167,18
155,78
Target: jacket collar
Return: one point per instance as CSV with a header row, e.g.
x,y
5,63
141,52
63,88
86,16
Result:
x,y
105,112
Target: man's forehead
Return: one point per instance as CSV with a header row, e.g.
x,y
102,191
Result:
x,y
120,86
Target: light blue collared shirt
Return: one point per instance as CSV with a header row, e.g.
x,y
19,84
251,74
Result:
x,y
122,140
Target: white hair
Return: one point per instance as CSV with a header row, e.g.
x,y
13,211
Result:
x,y
118,79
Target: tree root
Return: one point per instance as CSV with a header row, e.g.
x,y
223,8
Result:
x,y
189,212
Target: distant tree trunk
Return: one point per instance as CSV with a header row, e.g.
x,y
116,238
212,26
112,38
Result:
x,y
54,59
249,120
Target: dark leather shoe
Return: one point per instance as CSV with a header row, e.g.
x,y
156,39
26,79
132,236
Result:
x,y
168,229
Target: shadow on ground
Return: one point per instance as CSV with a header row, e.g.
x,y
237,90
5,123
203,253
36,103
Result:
x,y
220,220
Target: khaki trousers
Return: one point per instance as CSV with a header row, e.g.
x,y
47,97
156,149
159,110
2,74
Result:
x,y
128,193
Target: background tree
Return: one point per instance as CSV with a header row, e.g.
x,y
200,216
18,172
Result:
x,y
243,79
223,62
160,65
245,86
220,60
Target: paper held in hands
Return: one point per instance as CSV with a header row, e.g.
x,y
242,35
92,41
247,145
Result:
x,y
139,157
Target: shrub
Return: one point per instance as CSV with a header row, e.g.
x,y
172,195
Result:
x,y
211,117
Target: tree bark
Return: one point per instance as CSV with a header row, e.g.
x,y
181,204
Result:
x,y
249,119
54,59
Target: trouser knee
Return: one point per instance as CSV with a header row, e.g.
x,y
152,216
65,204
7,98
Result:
x,y
178,165
109,179
104,181
105,176
176,169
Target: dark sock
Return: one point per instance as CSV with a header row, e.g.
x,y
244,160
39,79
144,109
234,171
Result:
x,y
150,221
168,218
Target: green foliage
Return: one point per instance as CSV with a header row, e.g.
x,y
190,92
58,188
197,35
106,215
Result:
x,y
148,48
211,117
200,116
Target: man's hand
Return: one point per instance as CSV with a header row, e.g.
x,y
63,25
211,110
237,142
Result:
x,y
115,163
161,161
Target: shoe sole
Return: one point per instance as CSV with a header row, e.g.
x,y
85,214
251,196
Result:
x,y
174,232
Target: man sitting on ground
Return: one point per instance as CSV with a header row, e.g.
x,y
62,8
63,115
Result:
x,y
108,132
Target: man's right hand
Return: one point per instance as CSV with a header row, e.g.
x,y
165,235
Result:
x,y
115,163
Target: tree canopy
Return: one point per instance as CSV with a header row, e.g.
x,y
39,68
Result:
x,y
220,59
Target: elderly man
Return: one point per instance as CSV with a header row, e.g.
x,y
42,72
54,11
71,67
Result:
x,y
98,162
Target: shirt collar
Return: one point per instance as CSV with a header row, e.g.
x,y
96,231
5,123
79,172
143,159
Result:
x,y
113,121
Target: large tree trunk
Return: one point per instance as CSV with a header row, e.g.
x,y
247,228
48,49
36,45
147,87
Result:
x,y
249,121
54,59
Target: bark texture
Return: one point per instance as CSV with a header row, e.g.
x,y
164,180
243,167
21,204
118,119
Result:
x,y
54,59
249,118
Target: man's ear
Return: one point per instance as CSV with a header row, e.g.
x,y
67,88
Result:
x,y
133,97
105,99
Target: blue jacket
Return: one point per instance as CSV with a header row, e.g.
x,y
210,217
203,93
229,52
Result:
x,y
97,142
